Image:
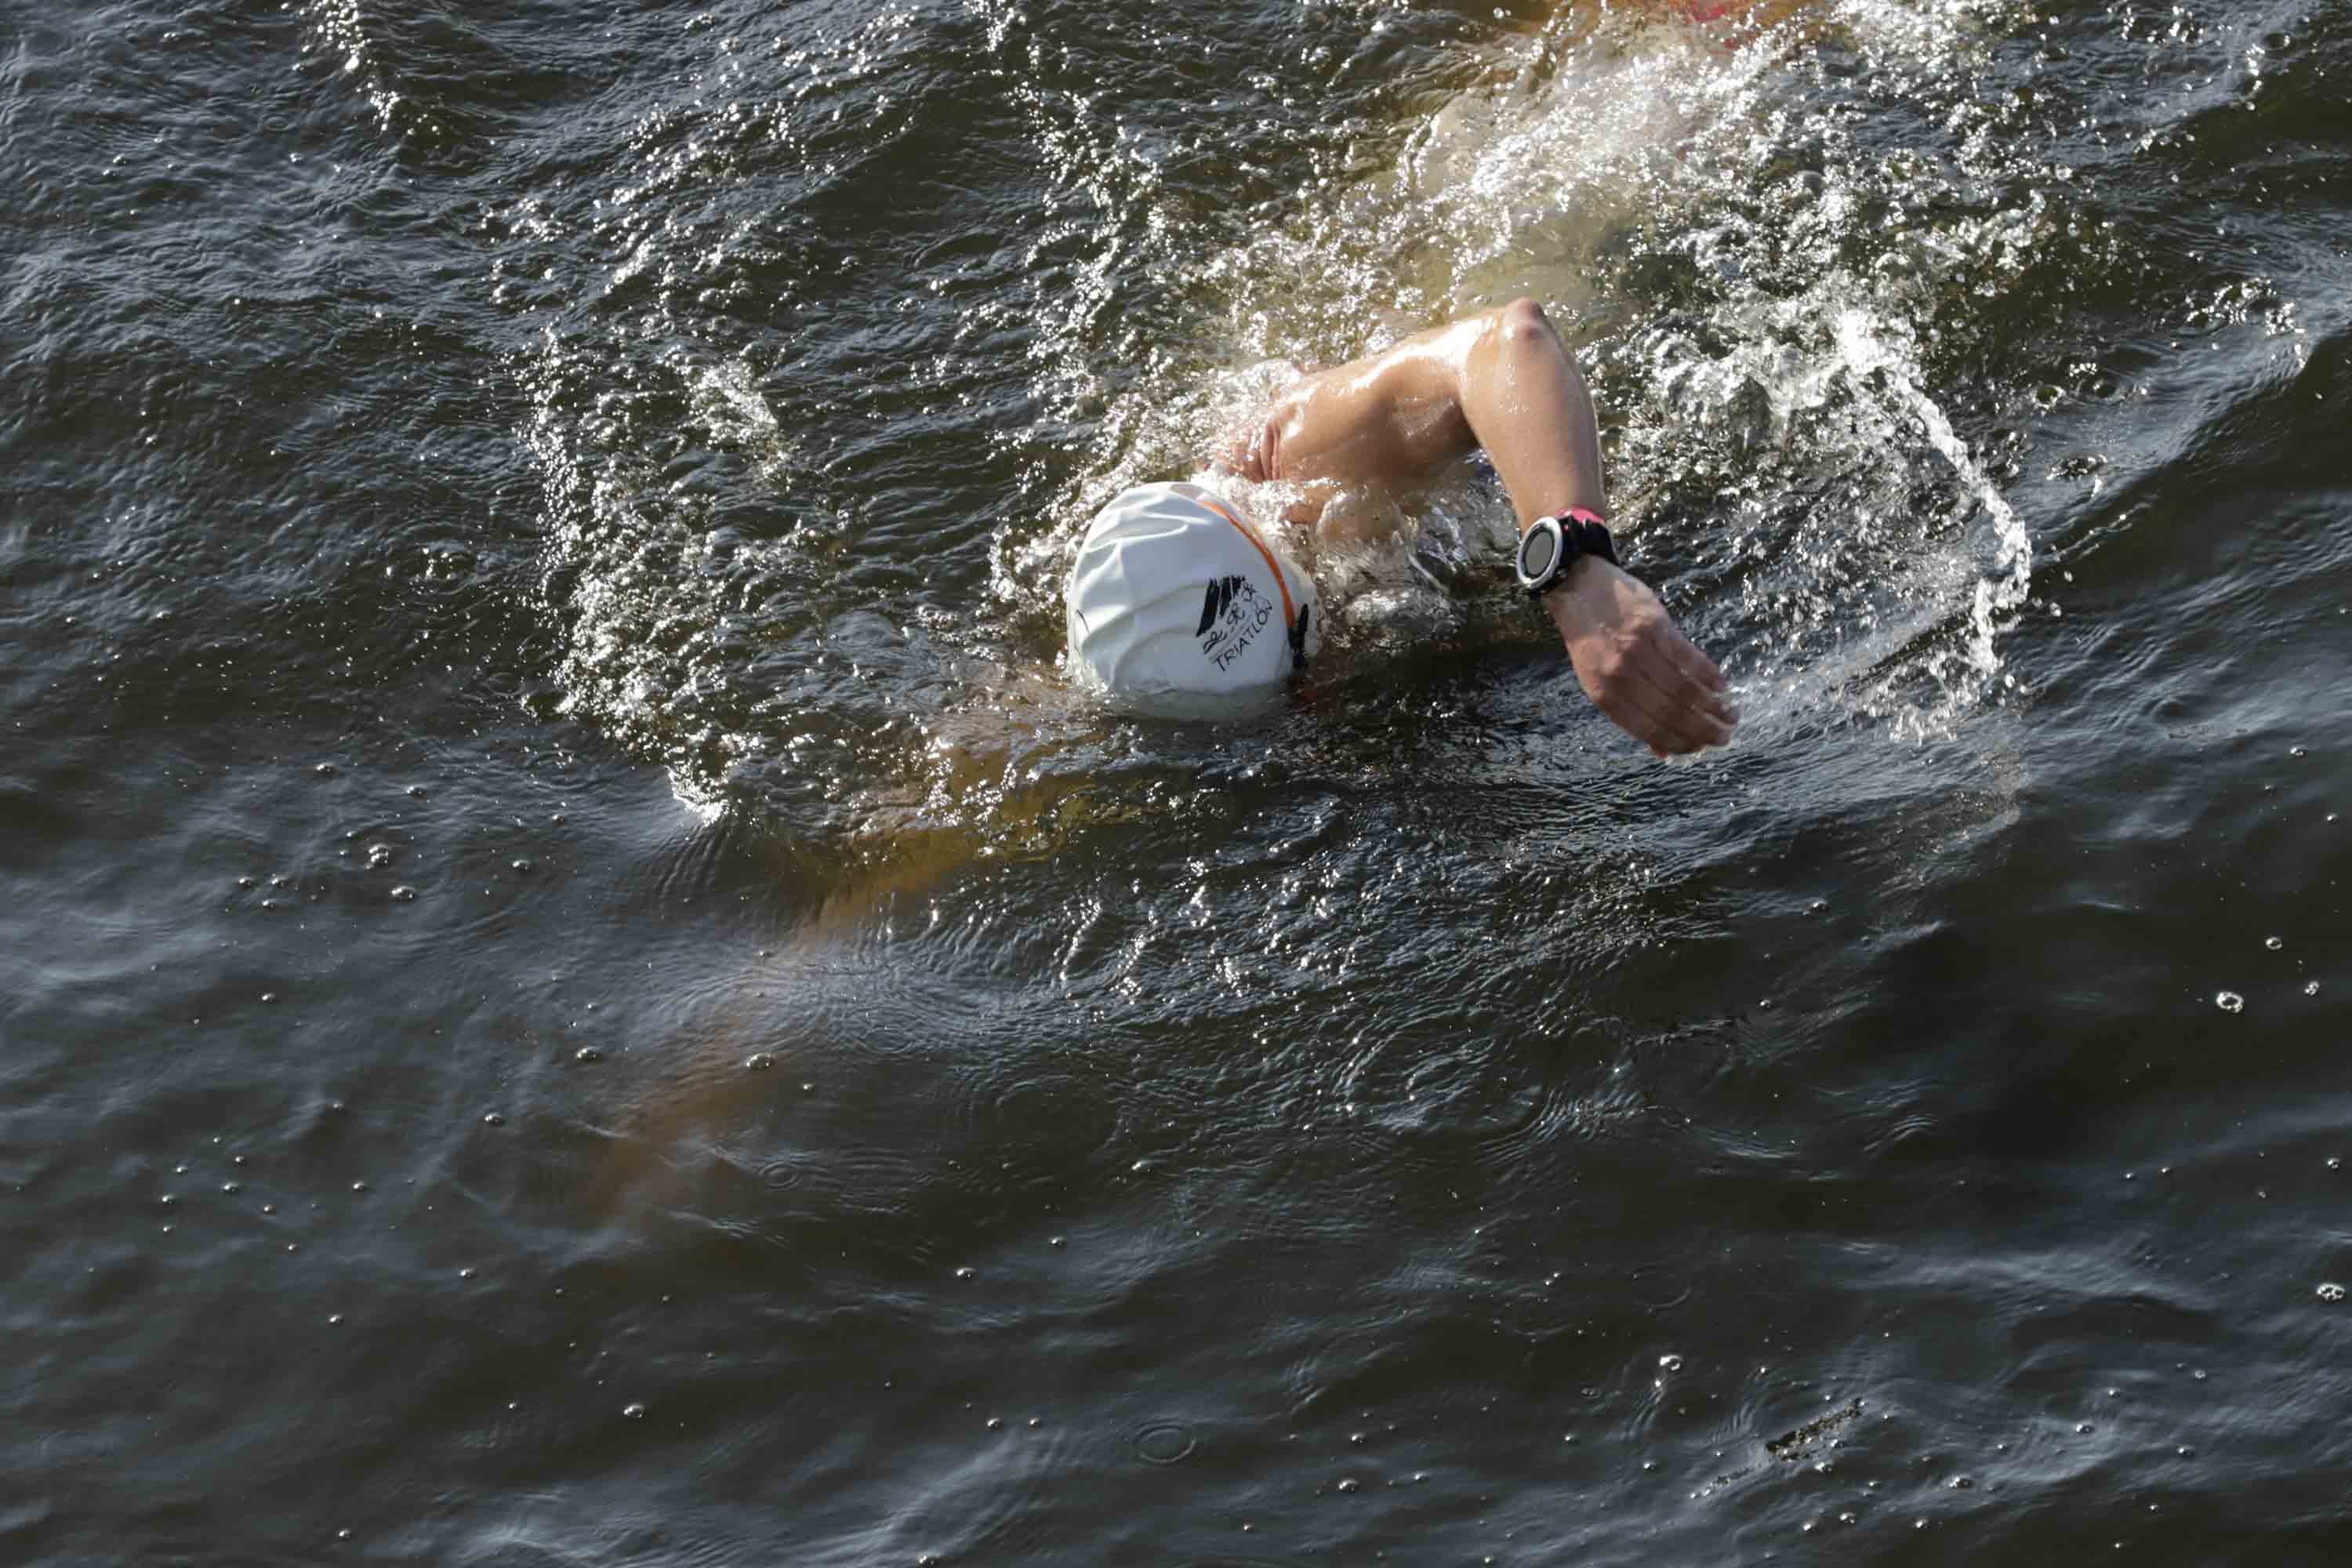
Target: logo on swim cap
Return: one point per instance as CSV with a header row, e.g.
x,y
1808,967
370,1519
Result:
x,y
1232,617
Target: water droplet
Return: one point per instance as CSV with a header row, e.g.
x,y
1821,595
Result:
x,y
416,792
493,1119
334,1316
964,1273
1962,1483
2273,944
404,895
244,882
1670,1364
359,1186
380,854
2230,1001
2310,988
1164,1443
994,1421
525,867
1349,1483
587,1054
759,1061
325,770
466,1273
633,1412
2335,1163
2082,1426
2331,1291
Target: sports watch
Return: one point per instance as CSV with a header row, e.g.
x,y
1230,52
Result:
x,y
1553,544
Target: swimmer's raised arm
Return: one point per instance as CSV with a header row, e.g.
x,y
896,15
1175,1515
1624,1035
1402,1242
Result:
x,y
1506,382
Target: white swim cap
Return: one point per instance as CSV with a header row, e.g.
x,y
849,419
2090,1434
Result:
x,y
1173,592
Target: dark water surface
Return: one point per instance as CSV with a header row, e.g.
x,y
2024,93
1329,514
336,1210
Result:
x,y
574,991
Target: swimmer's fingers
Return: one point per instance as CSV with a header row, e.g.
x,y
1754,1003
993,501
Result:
x,y
1636,665
1667,722
1689,686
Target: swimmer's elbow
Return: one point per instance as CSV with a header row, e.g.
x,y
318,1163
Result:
x,y
1523,322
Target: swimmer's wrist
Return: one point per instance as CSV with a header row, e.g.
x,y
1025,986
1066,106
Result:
x,y
1565,602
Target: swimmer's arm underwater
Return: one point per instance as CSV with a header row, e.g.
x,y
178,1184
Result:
x,y
1506,382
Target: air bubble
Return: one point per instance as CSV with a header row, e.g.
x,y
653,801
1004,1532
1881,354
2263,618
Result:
x,y
2331,1291
2230,1001
2273,944
404,895
633,1412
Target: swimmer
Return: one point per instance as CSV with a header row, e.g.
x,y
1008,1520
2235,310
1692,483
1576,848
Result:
x,y
1179,593
1179,597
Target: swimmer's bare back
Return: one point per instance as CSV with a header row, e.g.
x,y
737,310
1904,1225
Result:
x,y
1506,382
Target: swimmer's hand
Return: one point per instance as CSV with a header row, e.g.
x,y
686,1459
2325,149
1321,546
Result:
x,y
1635,664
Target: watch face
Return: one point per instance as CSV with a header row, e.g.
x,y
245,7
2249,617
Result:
x,y
1537,551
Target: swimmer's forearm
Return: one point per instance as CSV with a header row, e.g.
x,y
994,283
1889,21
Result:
x,y
1527,404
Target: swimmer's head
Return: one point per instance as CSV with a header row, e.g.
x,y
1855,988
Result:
x,y
1175,595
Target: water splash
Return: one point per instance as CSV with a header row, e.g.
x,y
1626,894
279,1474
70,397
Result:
x,y
1765,296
